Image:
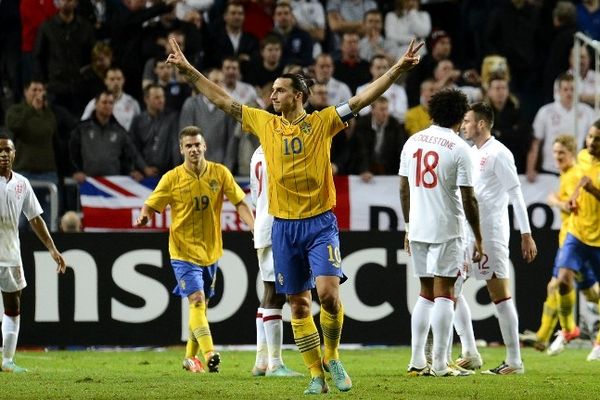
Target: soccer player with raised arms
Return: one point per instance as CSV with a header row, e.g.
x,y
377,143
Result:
x,y
496,182
195,191
305,236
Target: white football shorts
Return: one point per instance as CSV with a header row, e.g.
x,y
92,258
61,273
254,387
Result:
x,y
265,263
438,259
495,261
12,279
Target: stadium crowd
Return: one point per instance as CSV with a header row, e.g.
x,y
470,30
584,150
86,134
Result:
x,y
78,75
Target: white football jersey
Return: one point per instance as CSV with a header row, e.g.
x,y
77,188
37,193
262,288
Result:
x,y
263,221
494,175
16,196
436,162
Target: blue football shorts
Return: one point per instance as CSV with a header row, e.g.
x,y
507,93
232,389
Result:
x,y
192,278
581,258
584,279
304,249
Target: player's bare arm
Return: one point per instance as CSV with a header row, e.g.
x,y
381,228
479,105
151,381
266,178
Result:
x,y
528,247
41,230
405,204
213,92
471,208
587,184
145,216
374,90
245,214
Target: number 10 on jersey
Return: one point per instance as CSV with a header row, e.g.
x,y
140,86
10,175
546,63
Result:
x,y
426,164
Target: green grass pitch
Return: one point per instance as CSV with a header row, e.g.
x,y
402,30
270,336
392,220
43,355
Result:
x,y
376,374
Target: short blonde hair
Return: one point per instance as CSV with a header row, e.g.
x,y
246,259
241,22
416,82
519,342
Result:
x,y
568,141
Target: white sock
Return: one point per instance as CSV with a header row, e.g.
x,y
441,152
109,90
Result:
x,y
442,316
450,344
464,326
274,332
419,327
10,334
261,341
509,326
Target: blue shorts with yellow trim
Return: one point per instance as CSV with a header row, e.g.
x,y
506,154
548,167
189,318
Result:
x,y
304,249
192,278
576,255
584,279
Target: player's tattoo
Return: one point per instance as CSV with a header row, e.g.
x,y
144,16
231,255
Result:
x,y
236,111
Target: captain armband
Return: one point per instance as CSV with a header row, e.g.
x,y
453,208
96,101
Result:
x,y
344,111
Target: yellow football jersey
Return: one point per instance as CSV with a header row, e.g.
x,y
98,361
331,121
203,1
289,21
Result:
x,y
584,159
585,223
196,202
298,160
568,183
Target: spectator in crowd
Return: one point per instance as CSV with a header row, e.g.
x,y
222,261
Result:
x,y
176,90
101,131
219,129
347,16
70,222
373,43
381,138
149,75
513,31
337,91
417,118
32,14
269,66
310,16
318,99
242,146
259,17
350,69
34,130
297,43
93,74
440,47
493,64
127,34
154,134
555,119
63,46
125,106
396,95
185,7
406,23
232,40
564,22
587,78
510,127
10,55
447,77
99,13
17,198
588,18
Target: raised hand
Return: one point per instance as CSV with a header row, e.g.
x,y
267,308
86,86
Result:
x,y
411,56
177,58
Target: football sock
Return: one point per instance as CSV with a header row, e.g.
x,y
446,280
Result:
x,y
199,326
261,341
419,327
273,327
442,316
331,325
549,318
464,326
565,310
10,334
191,348
308,341
509,327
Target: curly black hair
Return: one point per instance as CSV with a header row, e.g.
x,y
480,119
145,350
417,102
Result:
x,y
448,107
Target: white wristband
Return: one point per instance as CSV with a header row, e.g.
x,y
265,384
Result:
x,y
406,227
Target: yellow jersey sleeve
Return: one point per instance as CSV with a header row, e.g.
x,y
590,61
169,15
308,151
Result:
x,y
568,182
255,120
231,189
161,196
